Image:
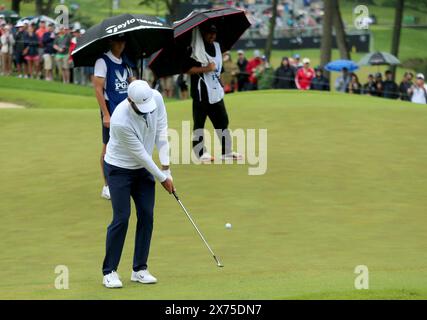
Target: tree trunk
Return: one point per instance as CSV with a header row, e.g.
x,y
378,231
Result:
x,y
326,44
16,6
172,6
39,7
340,32
395,43
272,27
43,7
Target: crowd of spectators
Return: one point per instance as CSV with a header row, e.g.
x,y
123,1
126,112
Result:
x,y
293,73
44,52
41,51
294,17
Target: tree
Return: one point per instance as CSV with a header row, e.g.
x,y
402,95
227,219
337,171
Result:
x,y
326,44
43,7
340,31
269,44
395,42
16,6
171,5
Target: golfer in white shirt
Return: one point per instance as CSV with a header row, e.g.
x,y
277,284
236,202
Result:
x,y
137,124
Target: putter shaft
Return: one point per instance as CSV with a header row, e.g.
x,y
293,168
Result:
x,y
218,263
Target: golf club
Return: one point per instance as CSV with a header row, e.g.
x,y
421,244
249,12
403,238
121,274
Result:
x,y
197,229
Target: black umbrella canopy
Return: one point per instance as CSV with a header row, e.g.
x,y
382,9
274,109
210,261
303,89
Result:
x,y
144,35
379,58
231,23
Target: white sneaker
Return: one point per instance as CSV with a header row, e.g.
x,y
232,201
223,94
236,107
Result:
x,y
143,276
112,280
105,193
232,156
206,157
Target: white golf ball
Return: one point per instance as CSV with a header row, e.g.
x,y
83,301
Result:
x,y
228,225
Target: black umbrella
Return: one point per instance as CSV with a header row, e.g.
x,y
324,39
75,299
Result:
x,y
378,58
144,35
231,23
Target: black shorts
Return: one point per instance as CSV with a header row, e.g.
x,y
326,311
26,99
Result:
x,y
105,130
19,58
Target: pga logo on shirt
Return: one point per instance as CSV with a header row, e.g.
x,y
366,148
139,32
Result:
x,y
121,81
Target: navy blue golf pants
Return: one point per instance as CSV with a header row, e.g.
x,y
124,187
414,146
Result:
x,y
124,184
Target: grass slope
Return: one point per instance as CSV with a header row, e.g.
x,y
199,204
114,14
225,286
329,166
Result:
x,y
345,186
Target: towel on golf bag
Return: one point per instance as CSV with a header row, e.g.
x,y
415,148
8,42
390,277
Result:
x,y
198,48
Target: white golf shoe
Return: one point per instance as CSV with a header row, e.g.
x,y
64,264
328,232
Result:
x,y
206,158
112,280
143,276
105,193
232,156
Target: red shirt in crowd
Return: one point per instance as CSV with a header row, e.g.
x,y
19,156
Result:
x,y
250,69
304,77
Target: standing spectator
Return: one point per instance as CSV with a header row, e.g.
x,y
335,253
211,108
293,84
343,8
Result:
x,y
182,83
7,42
304,75
284,76
48,52
354,87
18,50
62,47
31,53
167,85
242,76
251,68
379,84
296,63
78,72
265,75
391,90
342,82
228,77
89,74
40,33
320,82
418,91
370,87
405,85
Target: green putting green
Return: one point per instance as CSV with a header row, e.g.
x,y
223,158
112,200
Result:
x,y
346,185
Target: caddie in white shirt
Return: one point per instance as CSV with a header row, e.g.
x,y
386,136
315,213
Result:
x,y
137,125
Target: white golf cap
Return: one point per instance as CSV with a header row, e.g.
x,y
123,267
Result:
x,y
305,60
420,76
19,24
141,94
240,52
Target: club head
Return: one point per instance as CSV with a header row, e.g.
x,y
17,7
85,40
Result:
x,y
218,264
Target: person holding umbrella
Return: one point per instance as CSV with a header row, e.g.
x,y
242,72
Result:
x,y
207,91
137,125
342,82
111,79
139,36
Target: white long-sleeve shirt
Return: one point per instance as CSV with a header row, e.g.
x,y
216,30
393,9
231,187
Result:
x,y
132,138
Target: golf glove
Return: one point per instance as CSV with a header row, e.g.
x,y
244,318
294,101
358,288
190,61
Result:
x,y
168,173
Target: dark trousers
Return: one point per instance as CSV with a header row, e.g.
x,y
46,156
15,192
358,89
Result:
x,y
218,115
124,184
